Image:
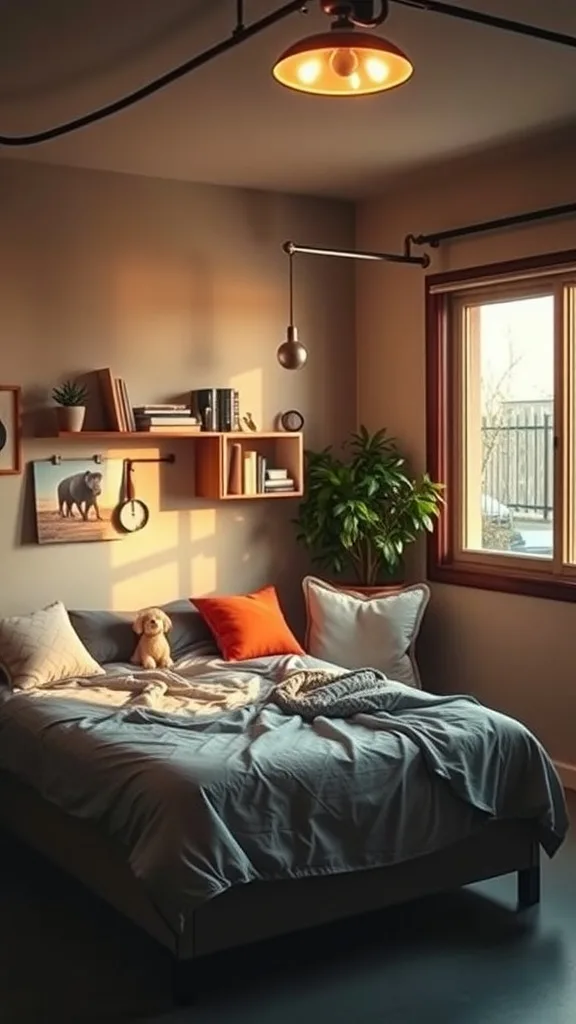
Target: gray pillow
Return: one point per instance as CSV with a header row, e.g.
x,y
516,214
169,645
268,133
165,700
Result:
x,y
109,635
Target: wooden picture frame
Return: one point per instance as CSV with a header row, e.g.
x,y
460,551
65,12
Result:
x,y
10,430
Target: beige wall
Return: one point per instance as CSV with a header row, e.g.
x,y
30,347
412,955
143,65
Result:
x,y
515,653
174,286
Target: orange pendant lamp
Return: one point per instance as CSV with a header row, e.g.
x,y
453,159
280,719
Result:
x,y
343,61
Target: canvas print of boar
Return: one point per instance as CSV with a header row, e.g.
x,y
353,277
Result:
x,y
75,501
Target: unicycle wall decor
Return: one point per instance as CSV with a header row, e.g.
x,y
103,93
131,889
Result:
x,y
132,514
10,431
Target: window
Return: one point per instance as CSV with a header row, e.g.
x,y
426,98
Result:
x,y
501,383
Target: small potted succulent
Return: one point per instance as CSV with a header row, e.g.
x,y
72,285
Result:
x,y
70,398
362,509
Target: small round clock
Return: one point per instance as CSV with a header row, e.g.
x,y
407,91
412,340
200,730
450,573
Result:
x,y
292,420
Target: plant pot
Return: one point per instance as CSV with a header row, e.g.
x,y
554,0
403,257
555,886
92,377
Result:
x,y
71,418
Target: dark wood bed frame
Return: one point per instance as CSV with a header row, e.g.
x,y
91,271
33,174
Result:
x,y
260,910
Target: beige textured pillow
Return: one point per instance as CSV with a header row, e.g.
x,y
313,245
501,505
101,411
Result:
x,y
365,631
43,648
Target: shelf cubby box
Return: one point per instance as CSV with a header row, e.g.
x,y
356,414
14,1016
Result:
x,y
259,465
234,466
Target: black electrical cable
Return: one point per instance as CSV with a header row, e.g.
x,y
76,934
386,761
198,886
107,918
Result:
x,y
243,32
490,20
239,36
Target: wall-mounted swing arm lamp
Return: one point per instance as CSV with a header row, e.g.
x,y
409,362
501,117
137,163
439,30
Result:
x,y
292,354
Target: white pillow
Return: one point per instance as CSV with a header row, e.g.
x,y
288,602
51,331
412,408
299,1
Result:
x,y
43,648
356,631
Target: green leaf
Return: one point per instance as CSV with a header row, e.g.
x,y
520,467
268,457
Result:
x,y
362,507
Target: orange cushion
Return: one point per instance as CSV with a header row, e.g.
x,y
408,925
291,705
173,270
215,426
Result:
x,y
248,625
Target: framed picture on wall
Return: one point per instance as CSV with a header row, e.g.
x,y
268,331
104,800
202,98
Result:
x,y
76,500
10,430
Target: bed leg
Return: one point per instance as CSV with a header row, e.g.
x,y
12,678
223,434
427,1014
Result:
x,y
529,887
182,982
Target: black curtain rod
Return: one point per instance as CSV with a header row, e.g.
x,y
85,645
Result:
x,y
435,238
491,21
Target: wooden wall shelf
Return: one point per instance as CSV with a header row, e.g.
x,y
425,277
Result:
x,y
281,450
118,436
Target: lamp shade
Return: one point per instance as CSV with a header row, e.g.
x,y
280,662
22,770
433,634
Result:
x,y
342,63
292,354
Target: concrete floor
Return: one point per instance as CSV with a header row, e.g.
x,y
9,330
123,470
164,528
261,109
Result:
x,y
462,958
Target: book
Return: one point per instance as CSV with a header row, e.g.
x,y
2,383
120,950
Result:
x,y
260,473
125,400
110,398
119,400
274,484
276,474
249,472
280,490
166,421
224,409
204,406
172,428
235,469
217,409
236,410
161,409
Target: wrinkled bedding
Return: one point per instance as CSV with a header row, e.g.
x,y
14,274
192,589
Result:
x,y
207,783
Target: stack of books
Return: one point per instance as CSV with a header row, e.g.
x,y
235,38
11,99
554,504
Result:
x,y
118,412
248,473
217,409
165,418
277,481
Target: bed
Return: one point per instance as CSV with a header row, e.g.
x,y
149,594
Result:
x,y
192,802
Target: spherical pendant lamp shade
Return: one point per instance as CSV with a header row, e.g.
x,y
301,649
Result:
x,y
292,354
342,63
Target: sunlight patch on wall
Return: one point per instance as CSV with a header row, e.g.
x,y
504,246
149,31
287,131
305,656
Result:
x,y
202,524
204,575
153,586
201,563
159,537
157,297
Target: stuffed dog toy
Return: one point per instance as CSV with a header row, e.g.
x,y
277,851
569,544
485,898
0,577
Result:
x,y
153,648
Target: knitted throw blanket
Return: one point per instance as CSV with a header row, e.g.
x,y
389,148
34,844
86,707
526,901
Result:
x,y
313,692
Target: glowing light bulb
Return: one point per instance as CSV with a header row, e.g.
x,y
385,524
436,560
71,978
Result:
x,y
354,80
344,62
309,71
376,69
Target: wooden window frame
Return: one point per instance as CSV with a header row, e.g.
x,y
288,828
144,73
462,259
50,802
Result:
x,y
489,572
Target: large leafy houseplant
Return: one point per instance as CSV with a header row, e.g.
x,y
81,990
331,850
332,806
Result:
x,y
361,510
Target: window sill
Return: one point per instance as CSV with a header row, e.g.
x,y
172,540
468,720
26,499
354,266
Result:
x,y
458,575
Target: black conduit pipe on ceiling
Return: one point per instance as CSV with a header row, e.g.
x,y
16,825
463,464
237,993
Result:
x,y
242,32
491,21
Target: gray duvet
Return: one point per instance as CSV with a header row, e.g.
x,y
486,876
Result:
x,y
206,800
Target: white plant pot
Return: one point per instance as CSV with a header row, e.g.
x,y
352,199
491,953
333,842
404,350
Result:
x,y
71,418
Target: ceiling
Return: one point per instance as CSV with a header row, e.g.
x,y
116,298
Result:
x,y
229,123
